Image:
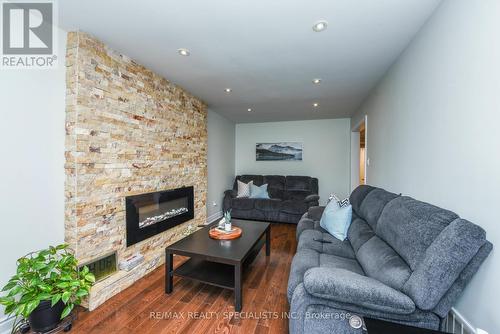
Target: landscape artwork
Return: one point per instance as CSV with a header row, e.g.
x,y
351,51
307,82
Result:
x,y
289,151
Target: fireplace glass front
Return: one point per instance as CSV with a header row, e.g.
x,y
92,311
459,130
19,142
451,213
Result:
x,y
152,213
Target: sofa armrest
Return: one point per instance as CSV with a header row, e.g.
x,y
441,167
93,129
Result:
x,y
228,198
311,198
230,193
315,212
345,286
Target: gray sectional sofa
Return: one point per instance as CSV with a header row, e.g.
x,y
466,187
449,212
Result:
x,y
404,261
290,198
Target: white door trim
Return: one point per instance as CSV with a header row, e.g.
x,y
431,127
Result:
x,y
355,152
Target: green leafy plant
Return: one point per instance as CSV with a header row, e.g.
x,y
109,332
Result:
x,y
227,216
51,274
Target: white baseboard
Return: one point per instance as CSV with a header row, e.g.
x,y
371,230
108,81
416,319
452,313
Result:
x,y
6,325
214,216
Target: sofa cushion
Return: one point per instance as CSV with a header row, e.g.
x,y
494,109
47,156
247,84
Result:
x,y
333,247
373,204
314,185
359,232
309,258
348,287
294,207
358,195
244,189
242,203
308,224
334,261
259,191
286,217
410,226
381,262
304,224
296,195
298,183
443,262
252,214
257,180
268,204
336,220
315,212
275,185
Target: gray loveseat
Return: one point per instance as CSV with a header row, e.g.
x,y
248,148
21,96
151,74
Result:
x,y
404,261
290,198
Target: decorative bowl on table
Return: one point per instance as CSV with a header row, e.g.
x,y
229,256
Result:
x,y
221,234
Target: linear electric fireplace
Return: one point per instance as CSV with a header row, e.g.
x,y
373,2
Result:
x,y
153,213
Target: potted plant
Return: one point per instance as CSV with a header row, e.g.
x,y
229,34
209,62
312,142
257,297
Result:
x,y
46,287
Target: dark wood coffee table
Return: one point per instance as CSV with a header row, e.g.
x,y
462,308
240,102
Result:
x,y
218,262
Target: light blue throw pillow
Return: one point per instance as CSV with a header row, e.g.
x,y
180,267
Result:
x,y
336,220
259,192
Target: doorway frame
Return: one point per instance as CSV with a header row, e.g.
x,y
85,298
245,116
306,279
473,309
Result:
x,y
355,152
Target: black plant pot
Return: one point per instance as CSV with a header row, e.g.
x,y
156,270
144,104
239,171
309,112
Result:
x,y
45,318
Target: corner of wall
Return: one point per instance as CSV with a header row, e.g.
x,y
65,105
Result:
x,y
221,160
70,228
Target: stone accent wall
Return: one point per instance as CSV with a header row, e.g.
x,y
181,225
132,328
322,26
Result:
x,y
128,131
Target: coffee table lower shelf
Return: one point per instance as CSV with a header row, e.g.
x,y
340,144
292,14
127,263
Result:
x,y
214,273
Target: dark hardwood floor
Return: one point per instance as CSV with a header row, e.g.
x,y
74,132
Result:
x,y
199,308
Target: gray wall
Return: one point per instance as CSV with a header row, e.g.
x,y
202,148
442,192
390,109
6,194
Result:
x,y
326,152
433,131
32,164
221,138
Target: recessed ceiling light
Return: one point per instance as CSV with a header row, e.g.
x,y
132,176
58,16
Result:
x,y
228,90
315,104
249,109
320,26
316,81
183,52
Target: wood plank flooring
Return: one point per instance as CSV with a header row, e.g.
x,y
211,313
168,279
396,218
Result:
x,y
199,308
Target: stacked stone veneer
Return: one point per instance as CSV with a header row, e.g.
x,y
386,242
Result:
x,y
128,131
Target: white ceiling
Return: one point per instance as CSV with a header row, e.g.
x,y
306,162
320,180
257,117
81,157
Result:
x,y
265,50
